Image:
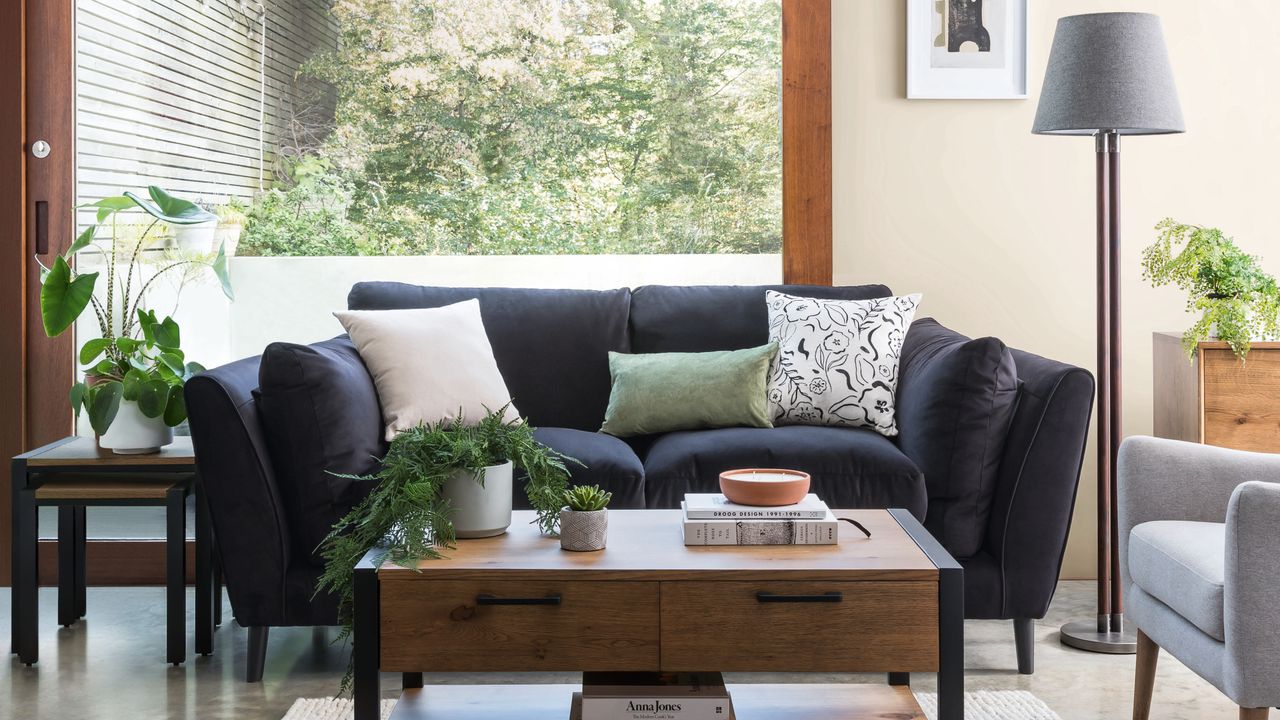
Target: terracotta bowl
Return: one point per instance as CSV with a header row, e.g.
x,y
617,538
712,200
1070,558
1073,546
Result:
x,y
764,486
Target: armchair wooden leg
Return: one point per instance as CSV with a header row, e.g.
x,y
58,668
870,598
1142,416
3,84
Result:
x,y
1254,713
1024,639
1144,678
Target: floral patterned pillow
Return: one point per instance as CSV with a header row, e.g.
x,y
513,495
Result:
x,y
837,361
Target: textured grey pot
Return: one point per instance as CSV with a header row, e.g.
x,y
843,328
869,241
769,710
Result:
x,y
480,509
583,531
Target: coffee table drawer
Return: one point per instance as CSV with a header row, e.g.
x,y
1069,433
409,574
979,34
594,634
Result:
x,y
467,625
800,626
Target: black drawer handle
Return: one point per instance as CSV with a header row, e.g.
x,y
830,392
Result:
x,y
830,597
495,600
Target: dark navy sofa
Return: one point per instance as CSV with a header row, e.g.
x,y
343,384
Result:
x,y
268,430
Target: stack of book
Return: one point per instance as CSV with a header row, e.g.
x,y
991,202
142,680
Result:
x,y
710,519
651,696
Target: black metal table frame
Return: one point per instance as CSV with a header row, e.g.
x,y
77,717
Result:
x,y
366,626
27,479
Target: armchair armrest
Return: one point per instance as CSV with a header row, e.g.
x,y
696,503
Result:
x,y
1161,479
1252,589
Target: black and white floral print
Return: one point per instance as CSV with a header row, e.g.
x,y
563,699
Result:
x,y
837,361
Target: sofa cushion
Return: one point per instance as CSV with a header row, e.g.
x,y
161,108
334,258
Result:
x,y
430,365
1183,564
698,318
955,400
660,392
320,415
609,463
837,361
850,467
552,346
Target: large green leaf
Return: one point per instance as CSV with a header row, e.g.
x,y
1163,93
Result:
x,y
173,361
165,333
104,402
153,397
176,411
127,345
171,209
131,386
82,240
220,269
76,396
92,349
109,205
62,298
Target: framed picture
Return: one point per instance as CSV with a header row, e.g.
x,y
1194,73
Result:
x,y
967,49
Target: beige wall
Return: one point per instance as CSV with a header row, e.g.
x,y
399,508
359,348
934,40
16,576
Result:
x,y
958,200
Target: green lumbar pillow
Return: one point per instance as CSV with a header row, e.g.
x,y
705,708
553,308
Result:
x,y
662,392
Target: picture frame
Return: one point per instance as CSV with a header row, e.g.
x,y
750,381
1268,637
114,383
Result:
x,y
967,49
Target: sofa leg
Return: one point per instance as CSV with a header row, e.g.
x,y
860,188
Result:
x,y
1144,677
257,657
1024,639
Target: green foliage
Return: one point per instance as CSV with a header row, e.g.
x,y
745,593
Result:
x,y
308,218
1223,283
585,498
406,517
150,371
136,357
543,127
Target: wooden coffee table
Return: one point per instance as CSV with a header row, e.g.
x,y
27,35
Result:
x,y
890,603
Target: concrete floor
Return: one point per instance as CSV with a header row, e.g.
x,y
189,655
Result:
x,y
111,665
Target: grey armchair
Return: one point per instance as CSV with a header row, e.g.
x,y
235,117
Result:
x,y
1200,562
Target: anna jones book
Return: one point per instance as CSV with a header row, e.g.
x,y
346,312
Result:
x,y
654,696
762,532
714,506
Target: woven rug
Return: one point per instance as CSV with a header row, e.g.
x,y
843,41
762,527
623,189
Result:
x,y
979,705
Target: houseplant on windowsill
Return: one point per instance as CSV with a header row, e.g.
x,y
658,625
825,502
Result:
x,y
135,368
409,513
584,521
1238,302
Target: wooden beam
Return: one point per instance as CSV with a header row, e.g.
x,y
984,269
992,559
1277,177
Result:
x,y
806,141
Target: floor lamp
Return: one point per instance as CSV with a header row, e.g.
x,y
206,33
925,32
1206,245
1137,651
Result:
x,y
1108,76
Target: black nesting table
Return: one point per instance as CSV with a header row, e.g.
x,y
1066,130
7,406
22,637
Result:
x,y
73,474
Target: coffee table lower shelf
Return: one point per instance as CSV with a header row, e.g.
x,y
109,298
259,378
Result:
x,y
750,702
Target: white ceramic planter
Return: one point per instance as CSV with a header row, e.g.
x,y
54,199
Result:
x,y
480,509
132,433
196,239
227,237
583,531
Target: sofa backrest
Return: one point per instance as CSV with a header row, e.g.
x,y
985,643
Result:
x,y
552,346
699,318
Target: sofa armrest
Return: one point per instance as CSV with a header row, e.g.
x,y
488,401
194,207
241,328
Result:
x,y
1252,589
244,503
1160,479
1037,484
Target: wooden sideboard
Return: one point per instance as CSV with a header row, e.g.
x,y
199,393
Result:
x,y
1215,398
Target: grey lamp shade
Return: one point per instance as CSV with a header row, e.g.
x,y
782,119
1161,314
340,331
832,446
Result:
x,y
1108,71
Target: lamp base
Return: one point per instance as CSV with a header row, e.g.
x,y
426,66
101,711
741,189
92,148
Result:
x,y
1088,635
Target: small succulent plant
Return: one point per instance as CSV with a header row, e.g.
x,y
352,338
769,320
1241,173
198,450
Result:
x,y
586,498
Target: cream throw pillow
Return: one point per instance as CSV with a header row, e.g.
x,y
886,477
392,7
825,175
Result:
x,y
428,364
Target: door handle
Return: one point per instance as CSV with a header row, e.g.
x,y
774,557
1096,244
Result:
x,y
42,227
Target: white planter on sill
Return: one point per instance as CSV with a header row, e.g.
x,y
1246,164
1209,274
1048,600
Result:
x,y
132,433
195,239
481,501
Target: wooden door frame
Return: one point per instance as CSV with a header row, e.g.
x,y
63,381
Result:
x,y
37,79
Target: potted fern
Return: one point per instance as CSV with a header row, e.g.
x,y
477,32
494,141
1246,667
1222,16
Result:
x,y
1238,302
420,491
135,368
584,520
